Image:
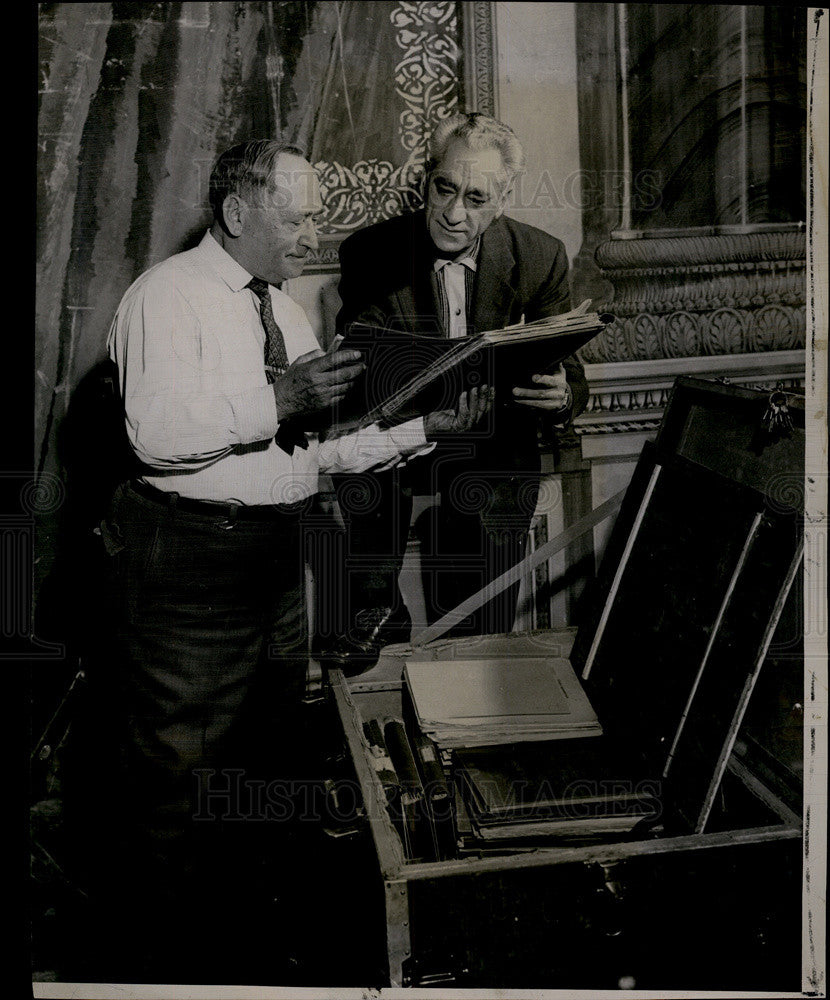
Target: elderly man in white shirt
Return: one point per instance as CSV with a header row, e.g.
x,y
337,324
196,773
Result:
x,y
221,378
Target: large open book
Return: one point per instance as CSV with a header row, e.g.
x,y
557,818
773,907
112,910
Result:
x,y
408,374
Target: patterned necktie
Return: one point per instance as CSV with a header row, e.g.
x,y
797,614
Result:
x,y
276,359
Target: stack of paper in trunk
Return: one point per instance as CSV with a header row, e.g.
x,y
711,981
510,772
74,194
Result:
x,y
565,788
486,702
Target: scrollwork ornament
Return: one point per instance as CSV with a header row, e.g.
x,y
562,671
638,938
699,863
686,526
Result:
x,y
289,490
550,495
426,75
369,191
528,496
425,79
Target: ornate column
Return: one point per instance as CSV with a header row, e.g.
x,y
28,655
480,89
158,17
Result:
x,y
697,296
692,150
726,306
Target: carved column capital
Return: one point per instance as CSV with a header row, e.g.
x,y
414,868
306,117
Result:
x,y
698,295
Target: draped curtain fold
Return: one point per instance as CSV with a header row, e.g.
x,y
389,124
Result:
x,y
136,100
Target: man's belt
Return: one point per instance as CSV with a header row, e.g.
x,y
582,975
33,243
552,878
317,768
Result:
x,y
210,508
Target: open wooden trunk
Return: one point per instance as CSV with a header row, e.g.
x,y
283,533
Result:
x,y
697,592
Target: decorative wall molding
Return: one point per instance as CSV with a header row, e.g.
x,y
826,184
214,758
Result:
x,y
682,252
324,260
684,333
368,192
480,58
428,85
716,285
699,295
426,78
631,396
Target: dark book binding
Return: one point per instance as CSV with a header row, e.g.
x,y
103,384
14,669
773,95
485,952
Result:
x,y
544,788
437,794
408,375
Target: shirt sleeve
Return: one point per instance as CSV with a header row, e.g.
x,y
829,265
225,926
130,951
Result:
x,y
375,449
177,414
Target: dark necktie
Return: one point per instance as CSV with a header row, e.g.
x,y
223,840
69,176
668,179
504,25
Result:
x,y
276,361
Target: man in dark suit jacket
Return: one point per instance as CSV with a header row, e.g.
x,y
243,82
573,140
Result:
x,y
457,267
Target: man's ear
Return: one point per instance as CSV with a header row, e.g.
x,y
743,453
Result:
x,y
234,210
508,190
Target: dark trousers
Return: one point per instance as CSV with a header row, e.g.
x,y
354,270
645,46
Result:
x,y
193,702
477,531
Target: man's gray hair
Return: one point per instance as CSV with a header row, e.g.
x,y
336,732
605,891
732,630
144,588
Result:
x,y
246,169
480,132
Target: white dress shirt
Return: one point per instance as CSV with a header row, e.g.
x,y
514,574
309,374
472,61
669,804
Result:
x,y
188,341
454,285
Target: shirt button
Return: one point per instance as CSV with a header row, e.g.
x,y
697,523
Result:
x,y
457,312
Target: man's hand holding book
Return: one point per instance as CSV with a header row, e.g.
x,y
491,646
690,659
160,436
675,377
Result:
x,y
553,392
472,407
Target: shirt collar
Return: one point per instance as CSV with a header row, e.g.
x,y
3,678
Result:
x,y
230,270
468,260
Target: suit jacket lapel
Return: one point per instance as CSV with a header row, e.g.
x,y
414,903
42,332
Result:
x,y
493,293
415,297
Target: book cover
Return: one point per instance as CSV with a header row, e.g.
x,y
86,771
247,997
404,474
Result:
x,y
496,700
